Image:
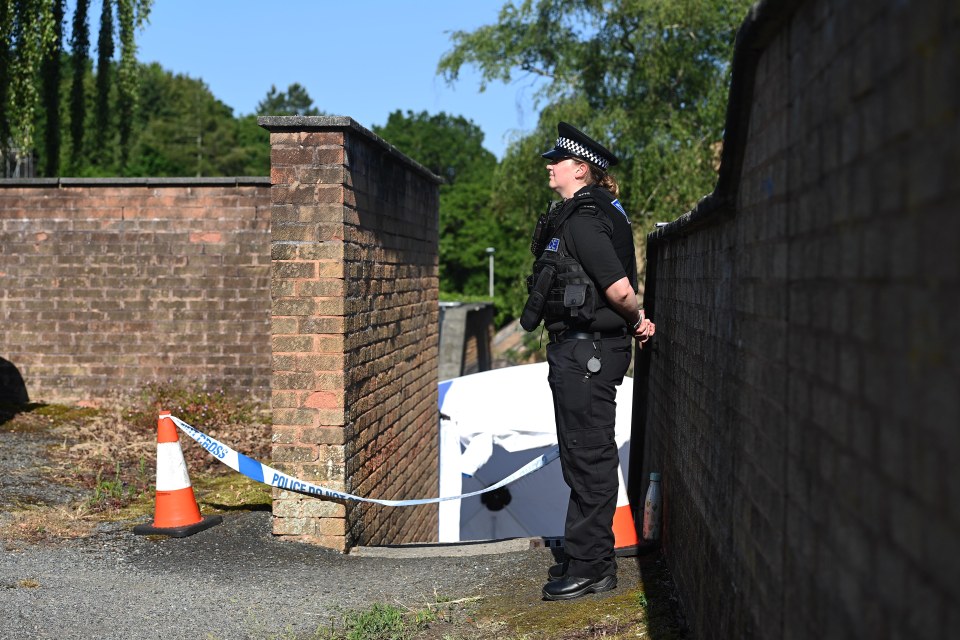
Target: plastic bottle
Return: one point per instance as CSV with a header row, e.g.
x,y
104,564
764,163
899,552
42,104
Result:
x,y
651,509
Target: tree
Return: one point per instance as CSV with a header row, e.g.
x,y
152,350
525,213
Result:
x,y
131,15
165,126
294,102
6,64
50,74
79,59
27,34
648,79
452,148
103,129
181,129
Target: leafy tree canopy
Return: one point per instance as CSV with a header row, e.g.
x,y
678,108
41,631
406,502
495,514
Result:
x,y
452,148
648,79
295,101
184,130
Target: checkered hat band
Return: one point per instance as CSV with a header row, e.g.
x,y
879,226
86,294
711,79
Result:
x,y
577,149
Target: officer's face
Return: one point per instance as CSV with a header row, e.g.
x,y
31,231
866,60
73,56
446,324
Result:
x,y
563,176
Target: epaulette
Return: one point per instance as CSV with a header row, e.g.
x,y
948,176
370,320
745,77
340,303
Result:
x,y
612,206
586,203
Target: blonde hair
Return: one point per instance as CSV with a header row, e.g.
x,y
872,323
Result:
x,y
604,179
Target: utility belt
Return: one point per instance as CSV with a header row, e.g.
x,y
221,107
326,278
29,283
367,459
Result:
x,y
560,336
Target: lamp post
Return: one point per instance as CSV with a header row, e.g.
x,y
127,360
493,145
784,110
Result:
x,y
490,252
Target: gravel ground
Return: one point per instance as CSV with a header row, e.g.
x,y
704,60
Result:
x,y
232,581
237,580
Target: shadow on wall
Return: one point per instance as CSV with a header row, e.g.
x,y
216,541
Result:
x,y
13,390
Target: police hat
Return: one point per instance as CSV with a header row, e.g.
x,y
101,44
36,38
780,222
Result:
x,y
573,143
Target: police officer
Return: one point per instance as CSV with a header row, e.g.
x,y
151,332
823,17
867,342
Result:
x,y
584,289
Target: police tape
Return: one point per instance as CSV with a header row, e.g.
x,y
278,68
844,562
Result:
x,y
256,470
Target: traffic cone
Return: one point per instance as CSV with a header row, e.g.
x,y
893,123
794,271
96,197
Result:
x,y
176,513
625,541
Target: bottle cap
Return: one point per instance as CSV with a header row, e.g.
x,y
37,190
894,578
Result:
x,y
655,476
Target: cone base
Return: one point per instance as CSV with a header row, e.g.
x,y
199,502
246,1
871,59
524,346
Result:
x,y
642,548
178,532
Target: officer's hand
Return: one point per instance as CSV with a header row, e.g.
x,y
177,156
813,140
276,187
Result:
x,y
644,332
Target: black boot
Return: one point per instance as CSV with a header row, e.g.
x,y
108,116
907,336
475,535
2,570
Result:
x,y
572,587
557,571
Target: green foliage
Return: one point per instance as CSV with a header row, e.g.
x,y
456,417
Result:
x,y
648,79
27,35
182,129
124,487
79,59
449,146
131,14
6,64
102,121
178,128
295,101
452,148
380,622
205,409
50,74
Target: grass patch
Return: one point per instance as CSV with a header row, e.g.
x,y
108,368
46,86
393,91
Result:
x,y
35,524
231,492
38,417
614,616
381,621
110,455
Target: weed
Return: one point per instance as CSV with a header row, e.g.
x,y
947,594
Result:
x,y
380,622
111,451
45,523
109,490
204,409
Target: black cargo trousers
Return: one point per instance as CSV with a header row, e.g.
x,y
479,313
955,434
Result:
x,y
585,409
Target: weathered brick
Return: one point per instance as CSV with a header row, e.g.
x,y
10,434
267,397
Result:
x,y
129,251
337,367
294,269
324,435
287,453
323,509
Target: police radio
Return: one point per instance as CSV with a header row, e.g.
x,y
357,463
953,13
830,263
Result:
x,y
541,233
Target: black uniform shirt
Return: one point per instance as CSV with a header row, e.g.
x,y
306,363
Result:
x,y
601,240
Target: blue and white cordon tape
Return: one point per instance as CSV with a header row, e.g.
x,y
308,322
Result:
x,y
256,470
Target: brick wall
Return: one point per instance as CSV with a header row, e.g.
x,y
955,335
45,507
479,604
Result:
x,y
803,401
355,331
107,284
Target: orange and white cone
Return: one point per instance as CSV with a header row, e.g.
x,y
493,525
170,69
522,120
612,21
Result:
x,y
176,513
625,541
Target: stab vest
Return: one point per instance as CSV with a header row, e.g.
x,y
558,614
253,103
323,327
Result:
x,y
559,289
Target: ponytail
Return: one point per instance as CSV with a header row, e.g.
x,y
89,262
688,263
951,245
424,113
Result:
x,y
605,180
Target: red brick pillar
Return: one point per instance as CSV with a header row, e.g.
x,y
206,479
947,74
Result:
x,y
355,331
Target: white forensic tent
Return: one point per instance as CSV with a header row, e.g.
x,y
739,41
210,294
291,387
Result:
x,y
492,424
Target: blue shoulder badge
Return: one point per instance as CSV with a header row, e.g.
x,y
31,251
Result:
x,y
554,245
619,207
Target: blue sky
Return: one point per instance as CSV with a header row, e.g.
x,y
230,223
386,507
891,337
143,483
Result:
x,y
363,58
